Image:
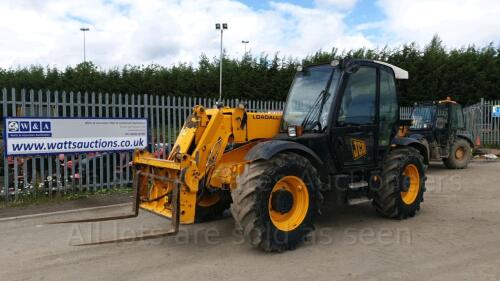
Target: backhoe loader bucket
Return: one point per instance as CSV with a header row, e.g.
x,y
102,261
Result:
x,y
156,188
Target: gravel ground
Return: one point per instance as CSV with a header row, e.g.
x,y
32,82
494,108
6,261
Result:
x,y
63,205
454,237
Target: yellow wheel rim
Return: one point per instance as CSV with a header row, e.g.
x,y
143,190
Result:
x,y
459,153
411,171
291,219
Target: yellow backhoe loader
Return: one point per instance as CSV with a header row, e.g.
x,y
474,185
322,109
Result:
x,y
337,140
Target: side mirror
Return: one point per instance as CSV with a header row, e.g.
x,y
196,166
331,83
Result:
x,y
352,68
348,66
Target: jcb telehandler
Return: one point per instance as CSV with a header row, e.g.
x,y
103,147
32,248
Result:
x,y
440,126
337,139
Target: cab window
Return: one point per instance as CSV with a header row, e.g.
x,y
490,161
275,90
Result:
x,y
358,103
457,121
388,107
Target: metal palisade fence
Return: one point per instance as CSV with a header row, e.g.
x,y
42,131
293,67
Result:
x,y
483,122
55,174
405,112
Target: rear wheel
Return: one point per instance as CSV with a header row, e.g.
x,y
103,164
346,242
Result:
x,y
275,203
403,184
460,155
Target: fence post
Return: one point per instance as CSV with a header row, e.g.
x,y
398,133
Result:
x,y
41,159
169,124
94,160
174,119
25,167
15,179
58,178
481,122
101,158
113,164
125,169
497,127
65,159
87,160
108,156
163,132
158,124
5,162
119,154
48,178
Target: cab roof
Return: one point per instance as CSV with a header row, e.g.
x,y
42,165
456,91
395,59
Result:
x,y
399,73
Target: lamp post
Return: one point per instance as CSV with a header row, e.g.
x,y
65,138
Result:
x,y
245,42
84,29
221,27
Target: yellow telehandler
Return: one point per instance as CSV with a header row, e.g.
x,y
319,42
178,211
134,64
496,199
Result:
x,y
337,140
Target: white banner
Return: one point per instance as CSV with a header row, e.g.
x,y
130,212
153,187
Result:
x,y
33,136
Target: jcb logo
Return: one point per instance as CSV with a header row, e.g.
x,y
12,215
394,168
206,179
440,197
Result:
x,y
358,149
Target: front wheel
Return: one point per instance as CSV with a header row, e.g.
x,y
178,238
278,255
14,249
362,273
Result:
x,y
275,203
460,155
403,184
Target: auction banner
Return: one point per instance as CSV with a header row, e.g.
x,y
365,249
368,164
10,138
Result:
x,y
495,111
35,136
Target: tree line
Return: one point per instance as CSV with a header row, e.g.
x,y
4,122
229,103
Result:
x,y
466,74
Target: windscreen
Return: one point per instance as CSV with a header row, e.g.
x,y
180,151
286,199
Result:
x,y
308,101
422,117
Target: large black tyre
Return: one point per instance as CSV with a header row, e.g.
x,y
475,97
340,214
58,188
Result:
x,y
389,199
209,212
253,201
460,155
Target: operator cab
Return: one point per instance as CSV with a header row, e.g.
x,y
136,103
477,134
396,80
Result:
x,y
346,111
437,115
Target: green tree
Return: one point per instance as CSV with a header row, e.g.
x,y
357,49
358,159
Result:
x,y
466,74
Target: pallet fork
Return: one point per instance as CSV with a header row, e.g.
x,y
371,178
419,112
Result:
x,y
174,229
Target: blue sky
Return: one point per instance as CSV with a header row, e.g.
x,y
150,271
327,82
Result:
x,y
364,10
171,31
265,4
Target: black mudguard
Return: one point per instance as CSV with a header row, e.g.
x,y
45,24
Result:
x,y
415,142
467,138
416,136
267,149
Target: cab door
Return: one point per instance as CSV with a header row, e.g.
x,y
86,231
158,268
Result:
x,y
353,135
442,126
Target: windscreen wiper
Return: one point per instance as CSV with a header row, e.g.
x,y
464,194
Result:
x,y
315,110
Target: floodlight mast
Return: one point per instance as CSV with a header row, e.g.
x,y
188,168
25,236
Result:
x,y
221,27
84,29
245,42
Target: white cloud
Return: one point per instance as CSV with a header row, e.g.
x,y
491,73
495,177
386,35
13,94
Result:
x,y
165,32
340,4
457,22
171,31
